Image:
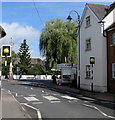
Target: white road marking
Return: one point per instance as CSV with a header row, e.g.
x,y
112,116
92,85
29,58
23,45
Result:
x,y
88,101
32,95
45,94
38,111
55,101
50,98
16,94
31,99
87,98
75,101
37,103
55,94
69,97
91,106
9,91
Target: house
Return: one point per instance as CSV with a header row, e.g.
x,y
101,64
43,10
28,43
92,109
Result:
x,y
94,44
109,33
34,61
111,58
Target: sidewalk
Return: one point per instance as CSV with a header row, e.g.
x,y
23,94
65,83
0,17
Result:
x,y
11,108
96,95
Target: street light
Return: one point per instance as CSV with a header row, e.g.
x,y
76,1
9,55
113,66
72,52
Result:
x,y
70,18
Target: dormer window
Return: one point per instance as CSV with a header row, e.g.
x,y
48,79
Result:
x,y
88,21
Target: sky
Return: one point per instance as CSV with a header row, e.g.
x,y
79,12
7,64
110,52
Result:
x,y
26,20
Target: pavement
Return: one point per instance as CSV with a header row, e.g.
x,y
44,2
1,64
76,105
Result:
x,y
11,108
96,95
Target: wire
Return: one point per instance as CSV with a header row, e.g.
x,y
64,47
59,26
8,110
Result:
x,y
37,12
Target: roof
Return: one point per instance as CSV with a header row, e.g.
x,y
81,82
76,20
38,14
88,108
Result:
x,y
99,10
33,61
112,6
2,32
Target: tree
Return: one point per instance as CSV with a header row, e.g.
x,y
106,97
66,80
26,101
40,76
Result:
x,y
57,41
5,69
25,60
37,69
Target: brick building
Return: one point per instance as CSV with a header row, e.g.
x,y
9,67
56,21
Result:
x,y
111,58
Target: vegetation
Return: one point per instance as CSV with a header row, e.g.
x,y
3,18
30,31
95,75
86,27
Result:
x,y
5,69
25,60
57,41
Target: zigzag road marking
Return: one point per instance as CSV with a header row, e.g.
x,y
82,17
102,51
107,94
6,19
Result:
x,y
87,98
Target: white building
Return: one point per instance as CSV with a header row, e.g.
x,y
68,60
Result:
x,y
93,44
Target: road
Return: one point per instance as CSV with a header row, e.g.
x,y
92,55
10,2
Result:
x,y
41,102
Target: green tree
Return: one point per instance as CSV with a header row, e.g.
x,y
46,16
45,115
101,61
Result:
x,y
25,60
57,41
5,69
37,69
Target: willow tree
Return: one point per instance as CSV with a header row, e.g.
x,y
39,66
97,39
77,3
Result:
x,y
57,41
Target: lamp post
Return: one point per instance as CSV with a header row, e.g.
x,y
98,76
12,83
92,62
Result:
x,y
70,18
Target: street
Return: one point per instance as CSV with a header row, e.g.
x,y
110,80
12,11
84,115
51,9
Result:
x,y
40,102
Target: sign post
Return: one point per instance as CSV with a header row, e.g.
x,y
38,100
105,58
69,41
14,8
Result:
x,y
18,70
92,62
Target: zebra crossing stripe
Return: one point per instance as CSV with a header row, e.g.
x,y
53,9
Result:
x,y
69,97
37,103
31,99
55,101
51,98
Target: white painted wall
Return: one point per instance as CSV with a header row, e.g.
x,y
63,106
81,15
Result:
x,y
98,49
39,77
109,19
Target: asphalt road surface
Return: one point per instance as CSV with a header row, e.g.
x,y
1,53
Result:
x,y
40,102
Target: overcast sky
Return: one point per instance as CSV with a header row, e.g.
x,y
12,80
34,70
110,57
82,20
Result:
x,y
25,20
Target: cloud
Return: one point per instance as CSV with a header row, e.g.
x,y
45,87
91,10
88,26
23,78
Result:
x,y
16,33
35,54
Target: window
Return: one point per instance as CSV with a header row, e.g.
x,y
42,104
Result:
x,y
113,70
88,44
88,21
88,72
113,38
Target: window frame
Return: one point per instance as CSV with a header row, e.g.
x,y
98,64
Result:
x,y
113,38
88,72
113,70
88,21
88,44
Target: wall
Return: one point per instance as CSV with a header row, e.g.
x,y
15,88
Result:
x,y
39,77
98,50
109,19
111,59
